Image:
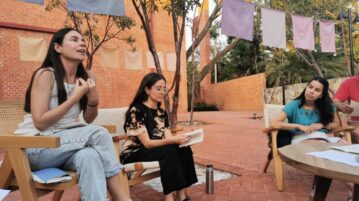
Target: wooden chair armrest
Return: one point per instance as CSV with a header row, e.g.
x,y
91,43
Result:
x,y
341,129
110,128
117,138
18,141
271,128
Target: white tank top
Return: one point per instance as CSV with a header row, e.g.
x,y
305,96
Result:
x,y
27,127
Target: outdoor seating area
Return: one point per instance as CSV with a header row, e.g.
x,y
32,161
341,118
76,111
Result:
x,y
243,152
231,100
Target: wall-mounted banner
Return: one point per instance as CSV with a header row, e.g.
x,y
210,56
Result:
x,y
105,7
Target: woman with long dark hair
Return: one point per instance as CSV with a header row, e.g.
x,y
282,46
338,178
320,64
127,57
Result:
x,y
311,115
150,139
58,91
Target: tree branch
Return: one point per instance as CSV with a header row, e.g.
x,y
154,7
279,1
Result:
x,y
205,70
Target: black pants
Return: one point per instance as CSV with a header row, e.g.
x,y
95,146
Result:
x,y
176,165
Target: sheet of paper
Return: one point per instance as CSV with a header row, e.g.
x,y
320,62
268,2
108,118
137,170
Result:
x,y
348,148
196,137
355,105
338,156
3,193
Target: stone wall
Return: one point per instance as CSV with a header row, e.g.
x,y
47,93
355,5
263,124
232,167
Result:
x,y
275,95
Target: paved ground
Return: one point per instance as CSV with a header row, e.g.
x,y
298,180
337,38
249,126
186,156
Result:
x,y
234,143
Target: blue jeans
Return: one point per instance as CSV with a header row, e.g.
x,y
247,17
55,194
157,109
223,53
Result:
x,y
88,150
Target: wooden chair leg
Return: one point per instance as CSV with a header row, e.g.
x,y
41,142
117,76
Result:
x,y
7,173
278,172
57,195
124,182
266,165
20,164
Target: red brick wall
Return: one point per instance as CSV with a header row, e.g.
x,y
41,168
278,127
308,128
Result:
x,y
117,86
242,94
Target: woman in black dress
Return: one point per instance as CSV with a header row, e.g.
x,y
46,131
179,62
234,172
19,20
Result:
x,y
150,139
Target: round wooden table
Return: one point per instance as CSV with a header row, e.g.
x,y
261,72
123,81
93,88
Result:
x,y
323,169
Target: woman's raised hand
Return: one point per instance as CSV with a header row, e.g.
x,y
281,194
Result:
x,y
92,94
81,88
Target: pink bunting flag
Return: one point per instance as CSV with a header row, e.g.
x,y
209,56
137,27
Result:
x,y
274,34
327,36
237,19
303,33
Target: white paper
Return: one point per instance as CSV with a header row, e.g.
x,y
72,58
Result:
x,y
196,137
348,148
354,105
73,125
3,193
338,156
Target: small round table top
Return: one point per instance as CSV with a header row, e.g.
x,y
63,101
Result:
x,y
295,155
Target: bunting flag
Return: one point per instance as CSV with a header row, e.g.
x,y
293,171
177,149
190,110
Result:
x,y
32,49
133,60
41,2
109,57
303,33
237,19
327,36
274,34
171,61
151,62
105,7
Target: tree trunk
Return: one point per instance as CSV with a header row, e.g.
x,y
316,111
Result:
x,y
346,60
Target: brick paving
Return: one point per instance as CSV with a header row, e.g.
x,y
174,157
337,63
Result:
x,y
233,143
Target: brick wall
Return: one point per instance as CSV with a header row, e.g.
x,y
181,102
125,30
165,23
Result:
x,y
242,94
117,86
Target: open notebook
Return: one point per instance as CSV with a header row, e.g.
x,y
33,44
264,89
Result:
x,y
196,137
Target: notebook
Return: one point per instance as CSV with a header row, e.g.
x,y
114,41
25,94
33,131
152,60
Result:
x,y
51,175
196,137
354,148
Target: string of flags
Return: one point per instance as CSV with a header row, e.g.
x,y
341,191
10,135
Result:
x,y
104,7
238,20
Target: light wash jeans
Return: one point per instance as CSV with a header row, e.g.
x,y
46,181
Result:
x,y
88,150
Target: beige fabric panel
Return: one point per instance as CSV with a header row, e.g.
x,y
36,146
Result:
x,y
150,61
32,49
133,60
109,57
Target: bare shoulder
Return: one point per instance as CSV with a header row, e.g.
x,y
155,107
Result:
x,y
44,76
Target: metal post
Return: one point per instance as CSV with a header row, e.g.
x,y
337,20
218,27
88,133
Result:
x,y
215,73
351,41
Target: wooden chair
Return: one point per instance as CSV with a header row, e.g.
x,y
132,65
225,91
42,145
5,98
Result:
x,y
133,173
270,112
14,169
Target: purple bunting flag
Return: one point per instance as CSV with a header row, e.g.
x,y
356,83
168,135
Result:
x,y
237,19
303,33
274,34
327,36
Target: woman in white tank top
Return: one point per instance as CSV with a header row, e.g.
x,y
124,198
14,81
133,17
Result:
x,y
59,90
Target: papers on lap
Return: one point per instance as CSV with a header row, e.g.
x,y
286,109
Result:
x,y
355,114
3,193
196,137
51,175
73,125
